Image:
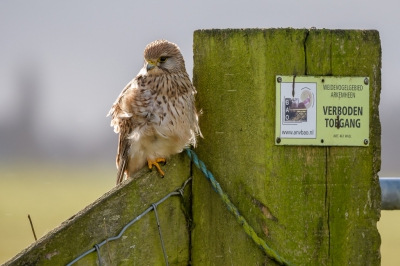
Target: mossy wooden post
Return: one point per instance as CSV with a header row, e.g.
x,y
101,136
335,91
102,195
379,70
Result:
x,y
140,243
312,205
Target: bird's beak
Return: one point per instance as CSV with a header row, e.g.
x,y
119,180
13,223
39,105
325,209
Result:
x,y
150,65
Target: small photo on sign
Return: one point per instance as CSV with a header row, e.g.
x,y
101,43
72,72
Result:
x,y
295,111
298,110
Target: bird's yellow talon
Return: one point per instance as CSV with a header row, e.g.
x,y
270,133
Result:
x,y
155,162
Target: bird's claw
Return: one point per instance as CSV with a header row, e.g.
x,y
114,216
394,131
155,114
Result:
x,y
151,162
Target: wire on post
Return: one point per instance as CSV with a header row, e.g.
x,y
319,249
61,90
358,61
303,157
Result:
x,y
159,231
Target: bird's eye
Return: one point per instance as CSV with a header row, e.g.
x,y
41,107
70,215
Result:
x,y
162,59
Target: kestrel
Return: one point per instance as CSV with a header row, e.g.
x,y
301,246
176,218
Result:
x,y
155,114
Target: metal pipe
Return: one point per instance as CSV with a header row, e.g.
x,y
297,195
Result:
x,y
390,193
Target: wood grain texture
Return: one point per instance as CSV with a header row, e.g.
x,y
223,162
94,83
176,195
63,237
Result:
x,y
313,205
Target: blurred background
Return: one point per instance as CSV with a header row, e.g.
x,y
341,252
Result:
x,y
63,63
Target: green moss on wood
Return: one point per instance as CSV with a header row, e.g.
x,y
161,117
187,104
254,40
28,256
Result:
x,y
289,194
353,193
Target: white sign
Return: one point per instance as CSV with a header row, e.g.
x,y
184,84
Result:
x,y
322,110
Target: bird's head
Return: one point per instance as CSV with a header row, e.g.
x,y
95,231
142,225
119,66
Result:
x,y
163,56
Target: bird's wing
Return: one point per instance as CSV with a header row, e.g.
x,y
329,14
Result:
x,y
121,114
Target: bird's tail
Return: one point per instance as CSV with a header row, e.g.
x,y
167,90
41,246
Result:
x,y
122,162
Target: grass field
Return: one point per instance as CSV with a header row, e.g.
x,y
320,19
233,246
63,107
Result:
x,y
52,194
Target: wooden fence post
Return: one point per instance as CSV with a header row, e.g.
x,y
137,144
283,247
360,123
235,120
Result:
x,y
312,205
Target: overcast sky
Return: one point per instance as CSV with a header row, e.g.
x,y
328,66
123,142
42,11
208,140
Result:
x,y
63,63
